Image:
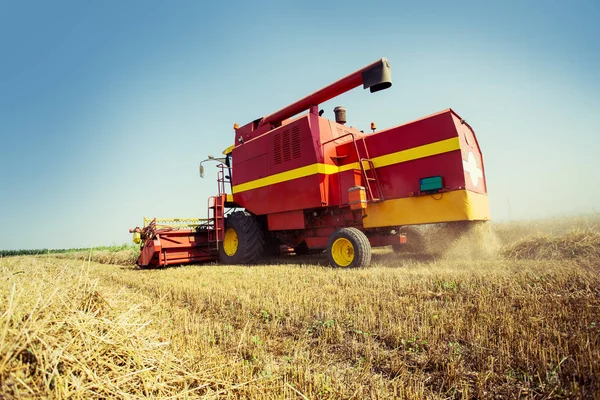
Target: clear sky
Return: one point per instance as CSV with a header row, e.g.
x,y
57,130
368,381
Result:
x,y
107,107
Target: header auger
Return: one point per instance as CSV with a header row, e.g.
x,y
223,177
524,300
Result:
x,y
309,183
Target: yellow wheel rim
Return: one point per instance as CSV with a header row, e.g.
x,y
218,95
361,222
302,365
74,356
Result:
x,y
230,243
342,252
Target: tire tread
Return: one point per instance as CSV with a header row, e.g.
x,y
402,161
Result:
x,y
251,243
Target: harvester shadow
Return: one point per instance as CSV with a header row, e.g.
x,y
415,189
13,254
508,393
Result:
x,y
130,268
296,260
390,260
396,260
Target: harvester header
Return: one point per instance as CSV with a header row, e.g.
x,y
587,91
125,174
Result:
x,y
311,184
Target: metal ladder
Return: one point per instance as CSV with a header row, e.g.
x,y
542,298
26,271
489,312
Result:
x,y
216,216
369,173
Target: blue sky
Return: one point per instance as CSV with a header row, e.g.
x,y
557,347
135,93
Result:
x,y
106,108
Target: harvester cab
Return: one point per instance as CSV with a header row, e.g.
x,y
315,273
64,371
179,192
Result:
x,y
309,183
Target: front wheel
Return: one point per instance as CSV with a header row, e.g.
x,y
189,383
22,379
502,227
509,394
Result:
x,y
243,242
349,248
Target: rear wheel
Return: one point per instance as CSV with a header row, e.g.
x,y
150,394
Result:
x,y
349,248
243,242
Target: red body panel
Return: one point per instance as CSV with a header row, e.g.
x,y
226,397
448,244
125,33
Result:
x,y
281,150
399,180
298,194
310,140
286,220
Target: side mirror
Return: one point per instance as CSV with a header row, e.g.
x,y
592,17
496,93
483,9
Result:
x,y
210,158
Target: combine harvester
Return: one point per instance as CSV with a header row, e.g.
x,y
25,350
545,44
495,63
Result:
x,y
312,183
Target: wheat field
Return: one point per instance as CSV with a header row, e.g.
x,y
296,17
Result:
x,y
521,322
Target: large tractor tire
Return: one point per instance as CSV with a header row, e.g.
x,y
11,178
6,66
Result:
x,y
415,242
243,242
349,248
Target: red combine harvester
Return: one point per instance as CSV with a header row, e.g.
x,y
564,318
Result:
x,y
312,183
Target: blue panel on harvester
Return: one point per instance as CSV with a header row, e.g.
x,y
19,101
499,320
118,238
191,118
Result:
x,y
433,183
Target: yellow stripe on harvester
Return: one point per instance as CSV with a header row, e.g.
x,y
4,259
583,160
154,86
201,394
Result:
x,y
427,150
301,172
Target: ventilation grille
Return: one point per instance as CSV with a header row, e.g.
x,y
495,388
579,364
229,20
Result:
x,y
286,145
296,142
277,146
